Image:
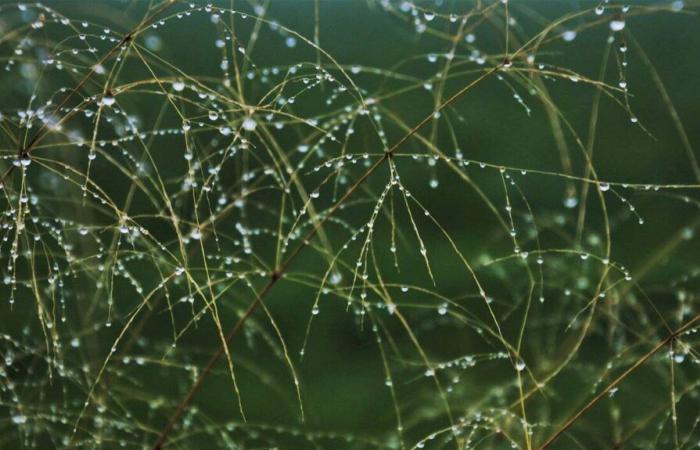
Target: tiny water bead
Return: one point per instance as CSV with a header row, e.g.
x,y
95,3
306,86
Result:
x,y
249,124
108,100
19,419
678,358
571,202
569,35
617,23
23,161
179,86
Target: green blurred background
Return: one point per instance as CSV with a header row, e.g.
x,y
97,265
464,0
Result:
x,y
342,373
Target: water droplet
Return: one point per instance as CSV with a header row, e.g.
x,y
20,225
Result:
x,y
249,124
336,278
677,6
687,233
617,23
108,100
569,35
571,202
19,419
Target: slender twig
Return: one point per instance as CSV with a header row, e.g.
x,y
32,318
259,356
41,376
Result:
x,y
277,274
24,151
640,362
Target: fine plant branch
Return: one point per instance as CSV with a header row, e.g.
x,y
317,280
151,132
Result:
x,y
473,277
278,273
639,363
